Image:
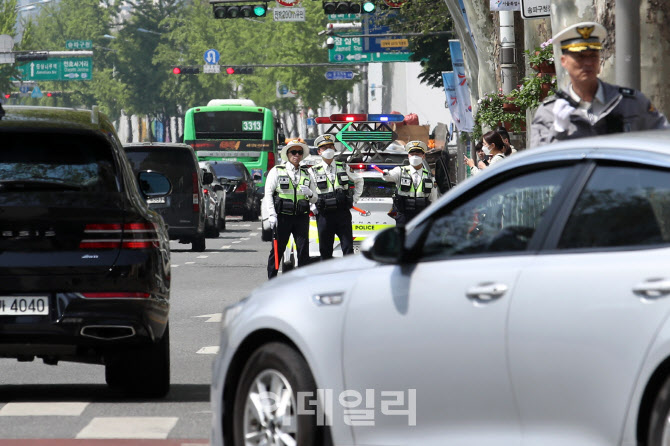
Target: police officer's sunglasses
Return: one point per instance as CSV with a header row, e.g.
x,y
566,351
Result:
x,y
295,152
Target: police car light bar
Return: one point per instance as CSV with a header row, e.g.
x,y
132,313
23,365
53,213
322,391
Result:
x,y
359,117
341,117
386,118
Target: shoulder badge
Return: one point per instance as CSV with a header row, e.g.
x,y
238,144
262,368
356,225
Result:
x,y
627,91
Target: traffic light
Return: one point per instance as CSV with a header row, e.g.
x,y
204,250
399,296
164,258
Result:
x,y
186,70
341,7
53,94
240,70
232,10
368,7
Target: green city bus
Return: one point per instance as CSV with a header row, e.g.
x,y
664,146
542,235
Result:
x,y
234,130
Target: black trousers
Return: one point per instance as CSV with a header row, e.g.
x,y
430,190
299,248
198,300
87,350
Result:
x,y
402,218
298,225
330,224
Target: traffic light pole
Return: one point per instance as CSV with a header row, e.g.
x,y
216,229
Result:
x,y
365,91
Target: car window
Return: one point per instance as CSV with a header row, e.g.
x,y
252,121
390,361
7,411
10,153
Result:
x,y
80,161
228,170
376,187
620,206
502,218
175,163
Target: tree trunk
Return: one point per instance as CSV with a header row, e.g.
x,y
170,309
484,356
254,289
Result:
x,y
655,46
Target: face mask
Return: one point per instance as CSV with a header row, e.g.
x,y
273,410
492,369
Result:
x,y
415,160
328,154
487,151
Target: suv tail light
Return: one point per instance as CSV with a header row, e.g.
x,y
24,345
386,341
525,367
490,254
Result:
x,y
242,187
196,196
271,160
115,235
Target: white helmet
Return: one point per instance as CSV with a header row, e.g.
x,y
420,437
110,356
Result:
x,y
294,143
416,145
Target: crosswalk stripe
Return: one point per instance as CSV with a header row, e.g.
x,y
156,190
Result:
x,y
42,409
225,247
253,234
236,241
213,350
128,427
202,257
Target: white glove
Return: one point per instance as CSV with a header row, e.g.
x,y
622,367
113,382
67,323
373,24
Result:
x,y
562,112
273,221
385,172
305,190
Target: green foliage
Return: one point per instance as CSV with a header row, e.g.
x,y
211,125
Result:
x,y
541,55
7,21
530,94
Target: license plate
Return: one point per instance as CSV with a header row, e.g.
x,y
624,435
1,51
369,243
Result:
x,y
24,305
156,200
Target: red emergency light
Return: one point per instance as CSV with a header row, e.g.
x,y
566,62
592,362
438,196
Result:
x,y
342,117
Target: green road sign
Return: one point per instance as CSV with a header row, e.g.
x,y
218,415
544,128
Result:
x,y
344,16
74,69
79,44
349,56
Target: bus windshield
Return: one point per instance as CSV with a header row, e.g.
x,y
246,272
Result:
x,y
228,125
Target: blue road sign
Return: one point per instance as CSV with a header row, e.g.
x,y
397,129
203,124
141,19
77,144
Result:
x,y
24,89
212,57
339,75
371,26
36,93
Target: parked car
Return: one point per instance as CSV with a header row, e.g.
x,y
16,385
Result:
x,y
184,209
84,263
216,190
529,305
241,198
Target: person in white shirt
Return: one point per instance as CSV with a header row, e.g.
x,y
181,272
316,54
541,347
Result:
x,y
288,194
415,186
338,189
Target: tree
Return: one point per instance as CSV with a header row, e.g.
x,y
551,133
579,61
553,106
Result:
x,y
7,22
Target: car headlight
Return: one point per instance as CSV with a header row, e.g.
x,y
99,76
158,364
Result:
x,y
231,312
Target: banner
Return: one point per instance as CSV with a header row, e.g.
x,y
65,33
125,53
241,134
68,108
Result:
x,y
467,24
462,88
505,5
452,99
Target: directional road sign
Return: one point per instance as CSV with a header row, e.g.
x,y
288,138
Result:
x,y
360,57
348,17
211,69
24,88
339,75
79,44
79,69
534,9
212,57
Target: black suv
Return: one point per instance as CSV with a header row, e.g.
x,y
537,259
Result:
x,y
184,209
84,263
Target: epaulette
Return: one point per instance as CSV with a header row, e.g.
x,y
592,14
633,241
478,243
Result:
x,y
549,99
627,91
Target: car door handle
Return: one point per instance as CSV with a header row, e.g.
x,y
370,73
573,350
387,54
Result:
x,y
652,288
485,292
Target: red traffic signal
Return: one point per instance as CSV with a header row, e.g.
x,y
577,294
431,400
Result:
x,y
230,70
49,94
185,70
8,95
240,70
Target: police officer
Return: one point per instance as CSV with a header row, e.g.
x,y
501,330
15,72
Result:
x,y
415,186
589,106
334,181
288,193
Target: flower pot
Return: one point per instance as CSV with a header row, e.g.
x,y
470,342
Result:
x,y
545,90
510,108
509,128
547,68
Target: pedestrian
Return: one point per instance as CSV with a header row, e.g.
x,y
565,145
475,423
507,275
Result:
x,y
338,188
493,147
481,155
589,106
442,178
288,193
414,184
509,148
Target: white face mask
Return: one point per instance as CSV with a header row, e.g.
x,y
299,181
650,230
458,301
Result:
x,y
415,160
486,149
328,154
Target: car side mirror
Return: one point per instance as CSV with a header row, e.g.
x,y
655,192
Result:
x,y
207,178
153,184
257,177
260,191
387,246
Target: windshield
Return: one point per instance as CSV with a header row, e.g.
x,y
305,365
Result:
x,y
229,170
228,125
376,187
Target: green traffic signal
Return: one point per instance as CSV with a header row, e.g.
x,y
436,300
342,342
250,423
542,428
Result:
x,y
368,7
259,11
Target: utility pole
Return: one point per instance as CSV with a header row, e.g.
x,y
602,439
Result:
x,y
627,52
507,51
364,87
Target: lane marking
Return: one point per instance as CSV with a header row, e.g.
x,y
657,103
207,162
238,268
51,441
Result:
x,y
237,241
244,238
225,247
214,317
189,263
213,350
174,266
42,409
128,427
202,257
253,234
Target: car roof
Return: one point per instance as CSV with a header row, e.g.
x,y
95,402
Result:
x,y
56,118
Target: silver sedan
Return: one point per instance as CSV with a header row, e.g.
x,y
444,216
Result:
x,y
528,306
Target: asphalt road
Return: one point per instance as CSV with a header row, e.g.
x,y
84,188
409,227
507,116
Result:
x,y
72,401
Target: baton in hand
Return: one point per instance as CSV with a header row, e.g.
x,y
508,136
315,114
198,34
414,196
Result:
x,y
362,212
274,244
377,169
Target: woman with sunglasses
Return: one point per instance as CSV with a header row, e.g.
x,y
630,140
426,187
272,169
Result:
x,y
288,194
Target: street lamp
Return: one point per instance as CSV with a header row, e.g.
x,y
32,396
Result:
x,y
142,30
